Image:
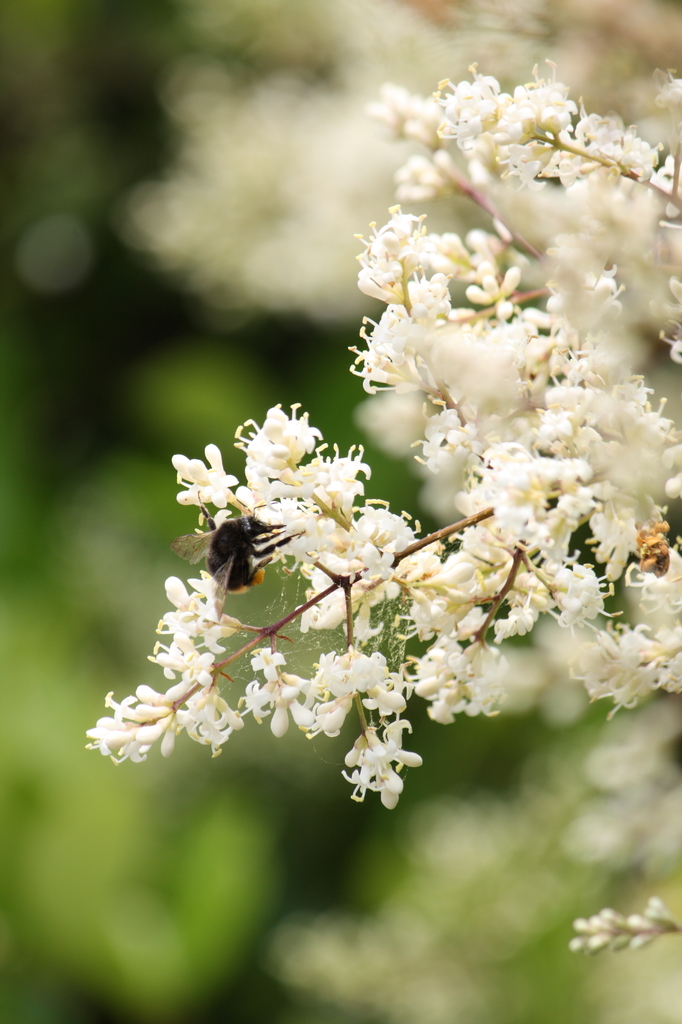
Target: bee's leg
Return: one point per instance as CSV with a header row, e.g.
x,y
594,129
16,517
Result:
x,y
269,541
207,516
270,545
271,530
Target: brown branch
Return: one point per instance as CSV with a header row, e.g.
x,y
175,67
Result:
x,y
467,189
333,576
349,611
536,293
517,559
485,513
181,700
271,630
344,582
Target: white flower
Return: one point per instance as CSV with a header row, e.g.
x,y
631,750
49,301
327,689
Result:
x,y
429,298
209,719
614,526
139,721
606,137
472,108
195,614
281,694
330,715
274,450
578,594
491,290
521,488
449,255
459,679
268,662
446,436
388,699
408,115
610,930
669,95
623,664
372,760
390,256
351,672
206,485
520,621
422,180
183,656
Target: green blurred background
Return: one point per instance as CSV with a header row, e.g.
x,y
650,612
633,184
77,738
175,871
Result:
x,y
250,888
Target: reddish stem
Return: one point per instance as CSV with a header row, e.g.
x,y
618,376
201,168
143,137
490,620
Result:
x,y
478,517
518,557
271,630
465,186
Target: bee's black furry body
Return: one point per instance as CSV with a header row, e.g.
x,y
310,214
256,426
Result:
x,y
235,551
242,544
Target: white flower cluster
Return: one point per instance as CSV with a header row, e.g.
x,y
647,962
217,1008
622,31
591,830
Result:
x,y
532,426
533,132
532,421
534,412
193,703
627,663
610,930
290,482
407,115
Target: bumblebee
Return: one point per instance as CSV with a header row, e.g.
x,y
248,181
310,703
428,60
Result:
x,y
236,552
653,549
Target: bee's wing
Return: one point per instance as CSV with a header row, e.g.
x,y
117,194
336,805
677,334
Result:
x,y
192,546
221,584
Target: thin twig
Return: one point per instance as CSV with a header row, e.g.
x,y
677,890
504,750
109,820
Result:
x,y
361,713
330,512
446,531
349,613
407,303
181,700
610,164
271,630
333,576
517,559
467,189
